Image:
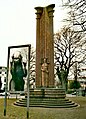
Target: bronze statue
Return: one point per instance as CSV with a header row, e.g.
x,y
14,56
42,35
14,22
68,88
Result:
x,y
18,71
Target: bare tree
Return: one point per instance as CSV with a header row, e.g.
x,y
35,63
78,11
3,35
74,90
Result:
x,y
77,14
69,49
32,63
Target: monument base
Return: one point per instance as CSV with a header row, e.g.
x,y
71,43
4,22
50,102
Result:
x,y
47,97
47,93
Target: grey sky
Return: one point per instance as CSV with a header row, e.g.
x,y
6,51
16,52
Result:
x,y
18,23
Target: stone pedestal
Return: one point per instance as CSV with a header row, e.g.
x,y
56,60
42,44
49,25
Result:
x,y
47,97
44,43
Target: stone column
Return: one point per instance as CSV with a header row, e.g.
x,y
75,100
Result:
x,y
44,43
38,67
51,44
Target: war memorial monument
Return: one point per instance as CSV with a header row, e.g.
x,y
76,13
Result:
x,y
45,94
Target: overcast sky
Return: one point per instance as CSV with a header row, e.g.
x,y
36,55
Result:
x,y
18,23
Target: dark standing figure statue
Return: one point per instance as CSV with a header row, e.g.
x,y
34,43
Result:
x,y
18,71
62,75
59,75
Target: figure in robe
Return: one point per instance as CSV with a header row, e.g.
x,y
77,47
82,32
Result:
x,y
18,71
45,73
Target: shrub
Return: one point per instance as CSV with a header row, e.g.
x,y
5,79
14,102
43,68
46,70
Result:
x,y
74,85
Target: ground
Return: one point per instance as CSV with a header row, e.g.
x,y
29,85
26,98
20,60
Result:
x,y
14,112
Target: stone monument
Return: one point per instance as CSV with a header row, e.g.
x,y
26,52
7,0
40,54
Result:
x,y
44,46
45,95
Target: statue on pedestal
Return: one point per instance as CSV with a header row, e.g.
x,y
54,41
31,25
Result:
x,y
18,71
62,75
45,73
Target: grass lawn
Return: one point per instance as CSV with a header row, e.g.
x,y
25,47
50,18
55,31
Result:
x,y
14,112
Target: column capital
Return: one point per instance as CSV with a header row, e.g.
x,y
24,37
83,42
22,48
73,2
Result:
x,y
50,10
39,11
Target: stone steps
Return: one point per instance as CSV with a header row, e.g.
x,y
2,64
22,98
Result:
x,y
46,103
54,98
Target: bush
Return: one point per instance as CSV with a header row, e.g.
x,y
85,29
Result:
x,y
74,85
